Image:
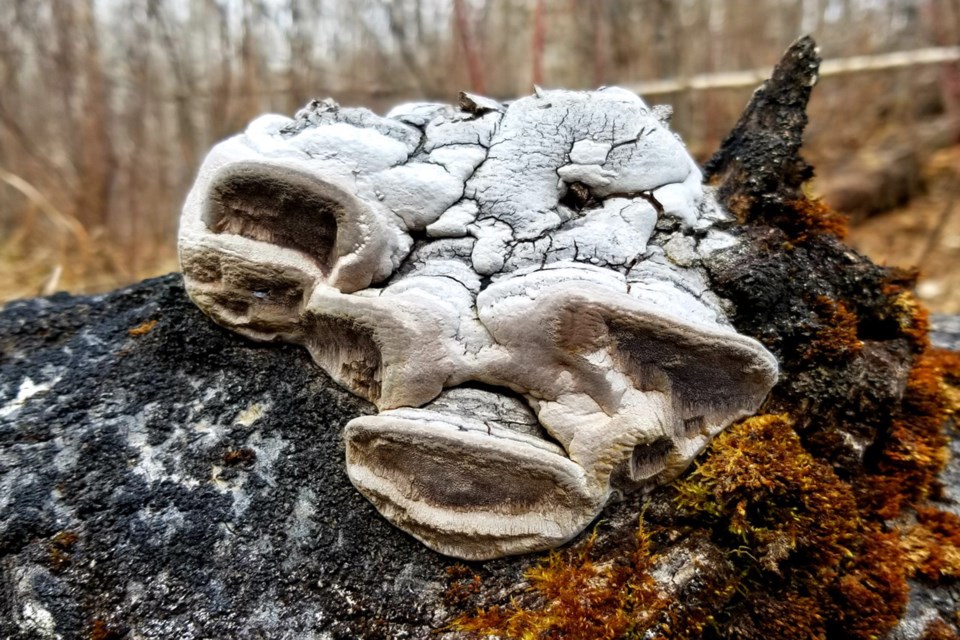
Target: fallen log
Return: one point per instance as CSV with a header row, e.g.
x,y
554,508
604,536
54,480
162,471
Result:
x,y
889,173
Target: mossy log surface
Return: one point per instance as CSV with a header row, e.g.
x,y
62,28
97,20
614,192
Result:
x,y
161,477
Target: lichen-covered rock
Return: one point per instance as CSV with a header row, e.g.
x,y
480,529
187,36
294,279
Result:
x,y
162,477
519,288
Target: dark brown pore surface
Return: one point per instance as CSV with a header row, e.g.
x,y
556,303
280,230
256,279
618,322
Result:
x,y
277,206
348,352
430,475
703,373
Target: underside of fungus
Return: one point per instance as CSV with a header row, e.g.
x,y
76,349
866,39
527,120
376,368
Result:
x,y
518,288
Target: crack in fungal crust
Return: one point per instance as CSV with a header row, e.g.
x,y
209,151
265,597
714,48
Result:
x,y
518,288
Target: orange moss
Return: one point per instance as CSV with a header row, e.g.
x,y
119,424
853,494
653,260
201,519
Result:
x,y
939,630
58,559
836,337
66,539
142,329
699,618
932,545
463,585
915,449
243,456
911,316
808,555
949,363
772,613
766,490
810,562
871,593
100,630
813,217
577,597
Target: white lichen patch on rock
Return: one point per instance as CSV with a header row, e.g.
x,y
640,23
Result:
x,y
28,388
251,414
518,288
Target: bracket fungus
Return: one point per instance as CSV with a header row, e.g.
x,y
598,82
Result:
x,y
517,287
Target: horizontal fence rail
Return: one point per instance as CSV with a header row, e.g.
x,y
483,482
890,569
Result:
x,y
840,66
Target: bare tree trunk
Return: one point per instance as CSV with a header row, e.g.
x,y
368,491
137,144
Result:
x,y
250,65
949,72
599,58
221,87
300,69
469,47
97,162
398,29
183,92
537,44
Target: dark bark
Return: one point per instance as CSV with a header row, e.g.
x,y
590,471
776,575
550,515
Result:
x,y
758,165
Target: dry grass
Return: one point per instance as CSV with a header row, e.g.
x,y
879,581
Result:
x,y
39,269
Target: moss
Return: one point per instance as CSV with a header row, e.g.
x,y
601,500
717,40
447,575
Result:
x,y
244,456
61,546
763,490
463,585
870,593
806,217
812,567
932,546
811,555
805,563
576,596
912,317
65,540
800,502
937,629
949,364
777,613
836,335
861,597
142,329
907,459
101,630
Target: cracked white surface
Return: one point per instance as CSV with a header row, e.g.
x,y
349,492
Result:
x,y
517,287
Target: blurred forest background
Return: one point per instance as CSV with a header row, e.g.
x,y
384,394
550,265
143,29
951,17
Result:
x,y
107,106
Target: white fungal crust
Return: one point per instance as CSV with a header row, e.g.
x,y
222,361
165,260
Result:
x,y
517,287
